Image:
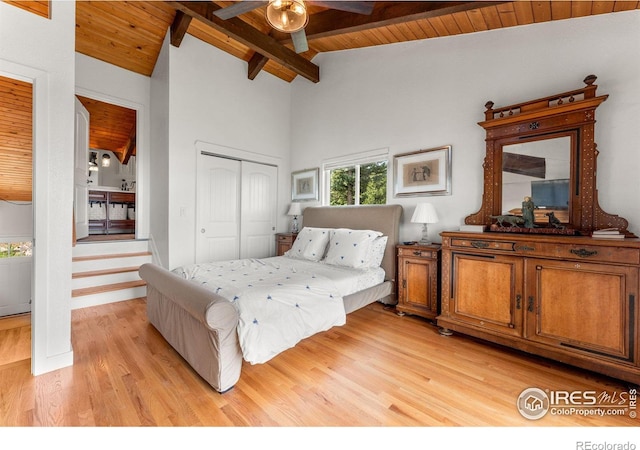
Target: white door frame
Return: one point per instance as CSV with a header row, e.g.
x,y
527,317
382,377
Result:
x,y
142,156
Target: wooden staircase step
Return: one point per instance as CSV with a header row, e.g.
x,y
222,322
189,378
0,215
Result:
x,y
107,288
110,256
97,273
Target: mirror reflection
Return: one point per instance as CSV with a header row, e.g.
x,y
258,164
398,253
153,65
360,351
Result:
x,y
539,170
105,170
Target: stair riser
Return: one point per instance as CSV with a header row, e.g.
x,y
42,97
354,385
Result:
x,y
109,263
100,280
108,297
109,248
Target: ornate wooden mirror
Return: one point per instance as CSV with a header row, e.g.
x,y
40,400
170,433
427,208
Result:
x,y
544,149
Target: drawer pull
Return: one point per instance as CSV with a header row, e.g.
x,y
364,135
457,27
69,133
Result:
x,y
417,253
479,244
583,253
524,248
518,300
530,305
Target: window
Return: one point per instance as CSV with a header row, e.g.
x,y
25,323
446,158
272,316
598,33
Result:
x,y
357,180
12,249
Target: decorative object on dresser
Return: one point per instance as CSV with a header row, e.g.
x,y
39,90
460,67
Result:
x,y
295,211
559,129
425,172
425,213
418,280
571,298
284,241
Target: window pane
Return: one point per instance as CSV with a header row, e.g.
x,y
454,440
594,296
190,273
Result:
x,y
21,249
343,186
373,183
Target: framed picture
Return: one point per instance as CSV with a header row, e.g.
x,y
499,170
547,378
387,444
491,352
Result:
x,y
304,185
424,172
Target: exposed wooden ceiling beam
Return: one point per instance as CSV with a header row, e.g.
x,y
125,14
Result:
x,y
179,28
331,22
130,147
256,63
249,36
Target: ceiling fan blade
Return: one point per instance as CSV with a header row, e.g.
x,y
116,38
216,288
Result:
x,y
237,9
365,8
300,43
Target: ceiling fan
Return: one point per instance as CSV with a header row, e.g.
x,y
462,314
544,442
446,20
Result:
x,y
291,16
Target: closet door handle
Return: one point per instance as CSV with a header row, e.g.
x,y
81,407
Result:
x,y
518,301
530,305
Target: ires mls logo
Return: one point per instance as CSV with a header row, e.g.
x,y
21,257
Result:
x,y
534,403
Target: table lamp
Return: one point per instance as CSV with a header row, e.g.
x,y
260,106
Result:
x,y
425,213
294,210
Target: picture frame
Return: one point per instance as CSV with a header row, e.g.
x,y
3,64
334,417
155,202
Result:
x,y
423,172
304,185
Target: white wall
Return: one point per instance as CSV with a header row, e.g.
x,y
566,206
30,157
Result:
x,y
431,93
111,84
16,219
214,106
41,51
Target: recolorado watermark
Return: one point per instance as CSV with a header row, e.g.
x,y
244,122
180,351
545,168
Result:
x,y
589,445
534,403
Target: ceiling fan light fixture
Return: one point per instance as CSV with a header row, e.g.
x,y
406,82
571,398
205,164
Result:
x,y
288,16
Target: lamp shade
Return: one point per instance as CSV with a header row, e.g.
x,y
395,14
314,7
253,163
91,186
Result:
x,y
425,213
294,210
288,16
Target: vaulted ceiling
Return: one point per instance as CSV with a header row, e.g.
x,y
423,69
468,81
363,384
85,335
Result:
x,y
129,34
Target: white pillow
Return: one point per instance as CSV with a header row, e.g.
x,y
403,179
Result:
x,y
310,244
350,248
376,251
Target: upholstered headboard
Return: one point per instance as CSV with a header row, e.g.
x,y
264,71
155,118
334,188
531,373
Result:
x,y
382,218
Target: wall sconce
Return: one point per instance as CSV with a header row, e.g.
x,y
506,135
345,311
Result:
x,y
106,160
93,165
425,213
295,211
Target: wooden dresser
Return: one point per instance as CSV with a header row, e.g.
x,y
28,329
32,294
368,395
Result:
x,y
568,298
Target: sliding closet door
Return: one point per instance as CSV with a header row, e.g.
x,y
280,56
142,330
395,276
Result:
x,y
258,210
218,233
236,209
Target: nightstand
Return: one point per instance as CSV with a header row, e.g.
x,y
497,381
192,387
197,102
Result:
x,y
418,279
284,241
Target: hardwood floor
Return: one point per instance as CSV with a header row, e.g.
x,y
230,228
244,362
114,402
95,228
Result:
x,y
15,339
377,370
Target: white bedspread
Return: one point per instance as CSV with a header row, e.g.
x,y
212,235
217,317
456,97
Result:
x,y
279,301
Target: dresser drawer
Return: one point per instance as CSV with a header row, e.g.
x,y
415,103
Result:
x,y
586,252
418,252
483,244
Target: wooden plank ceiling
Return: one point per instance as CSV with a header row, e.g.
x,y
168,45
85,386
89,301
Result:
x,y
129,34
16,139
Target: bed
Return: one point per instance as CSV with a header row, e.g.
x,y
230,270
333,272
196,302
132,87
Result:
x,y
194,307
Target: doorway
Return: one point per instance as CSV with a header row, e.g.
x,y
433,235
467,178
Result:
x,y
107,191
16,186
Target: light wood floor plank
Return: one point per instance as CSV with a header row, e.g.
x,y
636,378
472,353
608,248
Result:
x,y
378,370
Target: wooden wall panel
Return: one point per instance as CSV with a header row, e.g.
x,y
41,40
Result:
x,y
16,140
